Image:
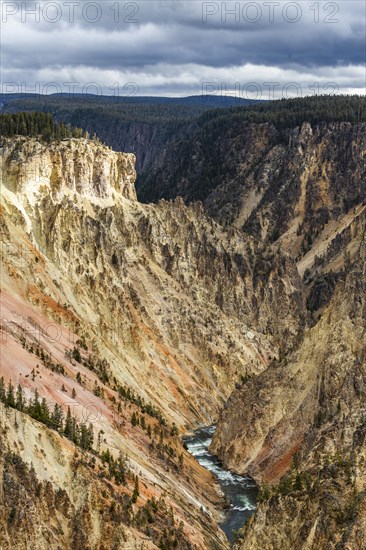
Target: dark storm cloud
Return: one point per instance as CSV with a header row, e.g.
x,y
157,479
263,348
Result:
x,y
153,37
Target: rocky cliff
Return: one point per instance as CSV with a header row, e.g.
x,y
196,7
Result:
x,y
141,318
299,427
291,172
147,320
320,502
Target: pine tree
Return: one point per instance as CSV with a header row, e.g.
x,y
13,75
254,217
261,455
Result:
x,y
99,441
68,430
143,423
20,398
76,432
22,128
86,436
45,412
90,436
2,390
76,355
57,418
10,399
35,407
136,491
83,436
174,430
121,468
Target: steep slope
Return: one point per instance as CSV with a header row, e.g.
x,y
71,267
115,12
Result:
x,y
162,277
286,172
289,172
222,148
53,343
305,417
141,318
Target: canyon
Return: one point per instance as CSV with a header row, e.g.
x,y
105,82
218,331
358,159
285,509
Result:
x,y
102,297
236,298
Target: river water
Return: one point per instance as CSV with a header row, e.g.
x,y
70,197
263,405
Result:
x,y
240,491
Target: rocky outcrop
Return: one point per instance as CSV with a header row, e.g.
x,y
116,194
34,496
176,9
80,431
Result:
x,y
34,170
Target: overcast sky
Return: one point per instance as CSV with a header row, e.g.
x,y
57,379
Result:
x,y
257,49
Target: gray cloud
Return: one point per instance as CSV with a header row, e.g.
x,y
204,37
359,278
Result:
x,y
164,45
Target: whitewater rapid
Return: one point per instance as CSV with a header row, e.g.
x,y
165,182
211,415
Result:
x,y
241,491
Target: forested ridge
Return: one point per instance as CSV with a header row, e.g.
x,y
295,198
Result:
x,y
129,109
146,127
288,113
40,125
141,128
282,113
210,138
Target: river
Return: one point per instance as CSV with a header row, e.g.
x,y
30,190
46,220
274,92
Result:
x,y
240,491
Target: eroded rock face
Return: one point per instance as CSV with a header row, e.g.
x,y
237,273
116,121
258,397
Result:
x,y
163,276
263,178
155,298
165,301
293,186
73,512
83,167
305,418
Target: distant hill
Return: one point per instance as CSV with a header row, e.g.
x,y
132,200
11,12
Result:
x,y
208,100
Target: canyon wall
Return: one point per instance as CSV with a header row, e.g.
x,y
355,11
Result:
x,y
141,319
